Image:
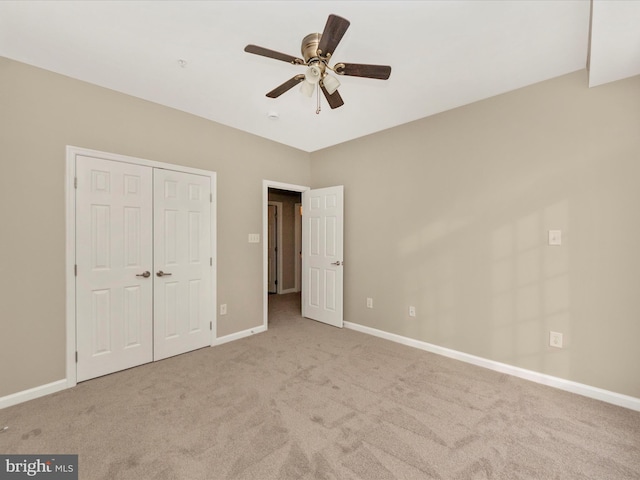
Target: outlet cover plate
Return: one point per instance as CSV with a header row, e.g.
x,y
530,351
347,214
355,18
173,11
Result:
x,y
555,339
555,237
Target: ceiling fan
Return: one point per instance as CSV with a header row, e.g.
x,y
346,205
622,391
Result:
x,y
317,49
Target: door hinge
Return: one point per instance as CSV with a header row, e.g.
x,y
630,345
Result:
x,y
75,270
211,198
211,325
211,261
76,357
75,182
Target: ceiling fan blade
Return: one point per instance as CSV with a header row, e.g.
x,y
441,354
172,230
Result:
x,y
335,100
332,34
288,85
265,52
381,72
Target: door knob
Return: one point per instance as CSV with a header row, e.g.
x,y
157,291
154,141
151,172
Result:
x,y
337,263
162,274
145,274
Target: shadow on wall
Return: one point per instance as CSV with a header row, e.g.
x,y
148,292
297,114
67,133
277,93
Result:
x,y
530,290
493,291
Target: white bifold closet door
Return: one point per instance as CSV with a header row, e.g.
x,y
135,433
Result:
x,y
182,257
143,284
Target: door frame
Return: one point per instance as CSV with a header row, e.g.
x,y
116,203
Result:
x,y
266,185
297,215
279,207
70,233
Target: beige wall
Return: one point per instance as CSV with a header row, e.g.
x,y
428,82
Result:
x,y
41,113
450,214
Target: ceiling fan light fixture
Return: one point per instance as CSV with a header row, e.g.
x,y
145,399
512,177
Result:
x,y
307,88
330,83
313,74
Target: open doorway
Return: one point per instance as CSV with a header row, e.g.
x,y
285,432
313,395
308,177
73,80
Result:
x,y
282,234
284,231
322,286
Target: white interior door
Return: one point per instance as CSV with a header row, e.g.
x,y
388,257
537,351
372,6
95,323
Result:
x,y
182,267
114,288
272,265
322,254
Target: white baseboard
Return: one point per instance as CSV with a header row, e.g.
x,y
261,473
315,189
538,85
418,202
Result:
x,y
53,387
239,335
614,398
32,393
551,381
288,290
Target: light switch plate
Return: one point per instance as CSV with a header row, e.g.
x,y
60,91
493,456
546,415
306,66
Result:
x,y
555,237
254,238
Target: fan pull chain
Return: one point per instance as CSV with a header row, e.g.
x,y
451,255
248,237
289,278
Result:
x,y
318,93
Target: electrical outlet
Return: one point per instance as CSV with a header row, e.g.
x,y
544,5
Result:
x,y
369,302
555,339
555,237
223,309
412,311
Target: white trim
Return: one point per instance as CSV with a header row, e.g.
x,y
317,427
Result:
x,y
70,259
116,157
279,212
288,290
298,246
70,195
214,256
238,335
614,398
266,185
32,393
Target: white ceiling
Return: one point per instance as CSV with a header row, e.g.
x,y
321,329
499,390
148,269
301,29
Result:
x,y
443,54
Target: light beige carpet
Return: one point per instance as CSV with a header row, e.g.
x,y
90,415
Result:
x,y
306,400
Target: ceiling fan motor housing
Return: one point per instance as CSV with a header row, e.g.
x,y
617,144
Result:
x,y
309,47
